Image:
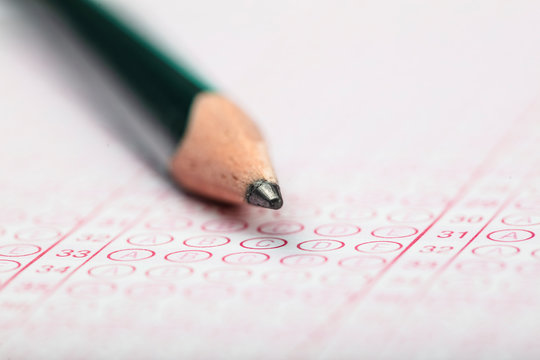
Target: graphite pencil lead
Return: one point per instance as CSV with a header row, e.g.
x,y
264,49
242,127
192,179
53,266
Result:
x,y
265,194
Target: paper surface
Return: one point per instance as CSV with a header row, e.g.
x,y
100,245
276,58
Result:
x,y
408,148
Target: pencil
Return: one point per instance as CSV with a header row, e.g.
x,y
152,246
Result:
x,y
221,153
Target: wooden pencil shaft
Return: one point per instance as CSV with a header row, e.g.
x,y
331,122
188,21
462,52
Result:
x,y
220,152
165,88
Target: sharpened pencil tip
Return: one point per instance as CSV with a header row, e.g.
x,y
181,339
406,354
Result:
x,y
265,194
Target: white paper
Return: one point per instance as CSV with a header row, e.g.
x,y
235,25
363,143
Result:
x,y
407,142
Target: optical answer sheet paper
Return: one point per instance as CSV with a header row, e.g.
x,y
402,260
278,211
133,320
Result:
x,y
412,216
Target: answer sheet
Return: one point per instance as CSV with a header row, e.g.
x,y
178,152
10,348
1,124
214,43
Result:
x,y
407,142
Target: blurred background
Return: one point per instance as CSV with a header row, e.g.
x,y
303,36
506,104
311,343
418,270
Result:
x,y
337,77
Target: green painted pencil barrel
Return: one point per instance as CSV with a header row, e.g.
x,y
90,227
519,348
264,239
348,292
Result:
x,y
165,88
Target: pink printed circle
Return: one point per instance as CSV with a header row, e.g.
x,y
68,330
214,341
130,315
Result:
x,y
8,265
174,205
320,245
521,220
131,255
8,215
286,276
150,239
409,216
65,218
297,210
424,199
378,247
91,290
206,241
40,233
495,251
169,272
263,243
353,213
281,227
17,250
188,256
394,232
324,297
246,258
111,271
529,269
224,225
150,290
531,203
536,253
344,279
510,235
482,202
212,293
480,267
362,262
172,223
227,276
372,198
242,212
337,230
303,260
267,295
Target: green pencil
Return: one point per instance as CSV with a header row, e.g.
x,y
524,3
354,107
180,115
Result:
x,y
220,154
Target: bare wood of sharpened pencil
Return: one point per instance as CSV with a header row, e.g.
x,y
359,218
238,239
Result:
x,y
223,155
